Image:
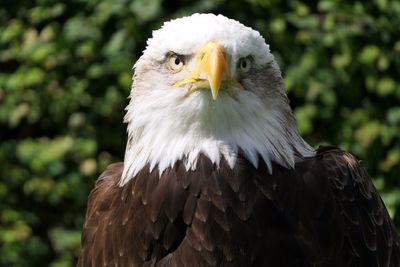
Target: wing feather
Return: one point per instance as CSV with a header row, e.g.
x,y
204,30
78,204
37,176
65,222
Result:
x,y
361,209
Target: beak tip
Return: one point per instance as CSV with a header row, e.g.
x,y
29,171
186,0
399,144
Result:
x,y
214,92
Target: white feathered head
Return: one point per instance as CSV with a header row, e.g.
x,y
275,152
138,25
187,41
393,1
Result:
x,y
207,84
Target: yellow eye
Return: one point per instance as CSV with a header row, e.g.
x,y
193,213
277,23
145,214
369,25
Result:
x,y
245,64
175,62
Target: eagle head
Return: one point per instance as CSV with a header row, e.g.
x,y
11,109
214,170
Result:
x,y
209,85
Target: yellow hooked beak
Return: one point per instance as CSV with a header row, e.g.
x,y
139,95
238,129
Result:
x,y
210,71
212,63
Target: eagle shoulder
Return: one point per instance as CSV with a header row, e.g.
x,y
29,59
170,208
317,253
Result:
x,y
135,224
98,208
366,234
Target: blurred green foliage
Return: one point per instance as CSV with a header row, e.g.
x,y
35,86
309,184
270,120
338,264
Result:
x,y
65,73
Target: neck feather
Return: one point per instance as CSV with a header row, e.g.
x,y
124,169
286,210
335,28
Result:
x,y
164,128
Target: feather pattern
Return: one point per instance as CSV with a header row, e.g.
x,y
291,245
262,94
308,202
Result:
x,y
325,212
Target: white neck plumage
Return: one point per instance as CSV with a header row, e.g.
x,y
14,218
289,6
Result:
x,y
165,127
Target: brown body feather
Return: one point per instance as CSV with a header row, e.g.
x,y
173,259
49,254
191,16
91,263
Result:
x,y
325,212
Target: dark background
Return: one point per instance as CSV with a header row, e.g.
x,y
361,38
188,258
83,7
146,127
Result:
x,y
65,73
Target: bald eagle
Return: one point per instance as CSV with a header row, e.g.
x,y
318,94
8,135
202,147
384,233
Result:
x,y
215,171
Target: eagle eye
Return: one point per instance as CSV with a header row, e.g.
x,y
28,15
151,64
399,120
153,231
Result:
x,y
175,62
245,64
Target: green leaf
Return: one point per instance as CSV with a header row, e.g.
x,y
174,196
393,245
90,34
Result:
x,y
146,10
